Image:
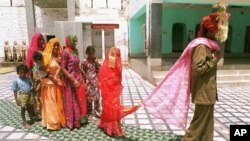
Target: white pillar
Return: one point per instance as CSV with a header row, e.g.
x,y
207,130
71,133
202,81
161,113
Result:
x,y
103,45
30,17
71,10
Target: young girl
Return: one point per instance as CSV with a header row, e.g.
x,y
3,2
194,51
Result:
x,y
90,66
38,73
22,88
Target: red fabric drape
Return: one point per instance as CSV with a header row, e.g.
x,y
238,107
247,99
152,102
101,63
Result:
x,y
111,89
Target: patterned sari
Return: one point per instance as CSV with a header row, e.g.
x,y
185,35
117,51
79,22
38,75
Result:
x,y
110,78
74,97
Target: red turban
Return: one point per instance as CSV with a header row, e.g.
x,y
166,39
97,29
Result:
x,y
209,23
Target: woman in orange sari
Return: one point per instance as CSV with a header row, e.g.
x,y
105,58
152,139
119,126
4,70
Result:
x,y
110,83
52,105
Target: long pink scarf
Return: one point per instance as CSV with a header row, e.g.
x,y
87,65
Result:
x,y
170,100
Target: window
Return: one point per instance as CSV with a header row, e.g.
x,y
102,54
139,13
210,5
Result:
x,y
99,3
116,4
5,3
10,3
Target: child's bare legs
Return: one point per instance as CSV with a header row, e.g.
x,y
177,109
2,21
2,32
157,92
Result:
x,y
97,108
25,124
30,109
89,108
37,108
37,105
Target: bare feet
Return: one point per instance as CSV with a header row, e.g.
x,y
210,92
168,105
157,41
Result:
x,y
97,114
26,125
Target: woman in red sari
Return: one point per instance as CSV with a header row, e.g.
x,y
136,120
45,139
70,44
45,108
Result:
x,y
110,78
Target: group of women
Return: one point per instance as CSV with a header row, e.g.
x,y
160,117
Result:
x,y
63,98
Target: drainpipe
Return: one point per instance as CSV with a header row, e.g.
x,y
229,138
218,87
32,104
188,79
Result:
x,y
148,38
103,45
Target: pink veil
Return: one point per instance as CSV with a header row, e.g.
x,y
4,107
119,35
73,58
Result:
x,y
33,48
170,100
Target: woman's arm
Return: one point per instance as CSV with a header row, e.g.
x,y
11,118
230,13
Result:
x,y
64,62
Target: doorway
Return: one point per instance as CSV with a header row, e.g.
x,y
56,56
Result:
x,y
197,29
228,43
96,37
247,40
48,37
178,37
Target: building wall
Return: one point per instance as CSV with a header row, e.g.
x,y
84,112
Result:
x,y
240,19
46,17
135,6
121,39
173,15
136,46
13,26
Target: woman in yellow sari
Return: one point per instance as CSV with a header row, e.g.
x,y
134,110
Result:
x,y
52,105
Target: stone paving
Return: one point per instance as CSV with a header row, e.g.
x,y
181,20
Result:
x,y
233,107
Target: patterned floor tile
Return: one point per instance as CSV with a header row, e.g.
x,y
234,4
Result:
x,y
10,116
232,105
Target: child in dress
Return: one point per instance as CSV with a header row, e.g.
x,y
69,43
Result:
x,y
38,73
22,88
90,67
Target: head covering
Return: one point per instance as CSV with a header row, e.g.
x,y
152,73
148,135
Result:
x,y
70,41
70,44
112,61
47,53
33,47
170,99
113,52
212,21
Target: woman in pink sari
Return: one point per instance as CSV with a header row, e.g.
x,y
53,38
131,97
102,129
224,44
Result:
x,y
73,85
110,78
37,44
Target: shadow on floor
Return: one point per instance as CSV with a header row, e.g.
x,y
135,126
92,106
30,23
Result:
x,y
10,116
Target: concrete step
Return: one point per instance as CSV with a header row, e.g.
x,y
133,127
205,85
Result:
x,y
231,78
243,77
224,67
233,72
233,84
219,72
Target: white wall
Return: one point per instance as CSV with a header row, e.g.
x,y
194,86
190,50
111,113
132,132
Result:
x,y
121,39
135,5
116,4
45,17
13,26
86,37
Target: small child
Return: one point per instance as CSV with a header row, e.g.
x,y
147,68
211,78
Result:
x,y
90,67
38,73
22,88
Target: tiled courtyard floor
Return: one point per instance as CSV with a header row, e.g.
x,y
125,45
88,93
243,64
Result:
x,y
232,108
